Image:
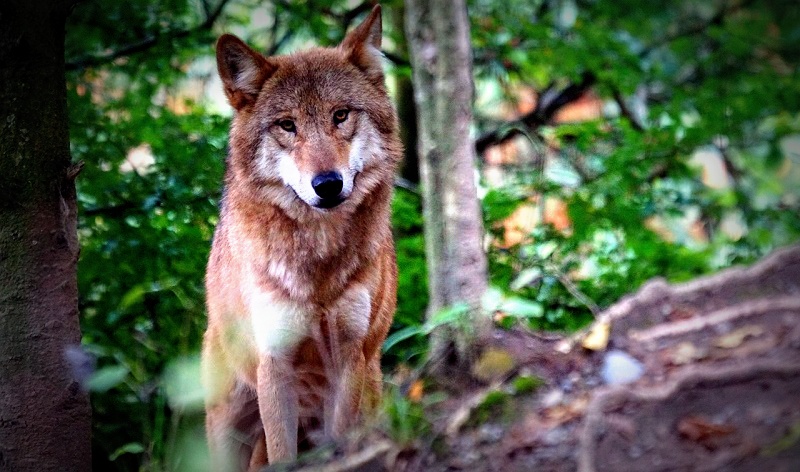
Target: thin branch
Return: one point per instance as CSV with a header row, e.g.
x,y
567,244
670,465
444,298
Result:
x,y
699,27
206,7
112,211
273,31
546,108
344,19
577,293
717,19
407,185
721,144
625,110
146,43
350,15
545,112
275,46
396,59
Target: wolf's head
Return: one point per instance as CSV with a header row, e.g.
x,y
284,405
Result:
x,y
315,125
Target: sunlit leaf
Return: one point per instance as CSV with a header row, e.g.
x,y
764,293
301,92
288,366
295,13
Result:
x,y
130,448
107,378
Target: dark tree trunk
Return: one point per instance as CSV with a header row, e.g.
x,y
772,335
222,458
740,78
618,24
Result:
x,y
441,56
44,414
406,108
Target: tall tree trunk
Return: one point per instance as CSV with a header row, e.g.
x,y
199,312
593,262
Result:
x,y
441,57
406,108
44,414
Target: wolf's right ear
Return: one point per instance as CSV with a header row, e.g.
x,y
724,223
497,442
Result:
x,y
243,71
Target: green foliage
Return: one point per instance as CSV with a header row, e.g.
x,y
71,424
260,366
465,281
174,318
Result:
x,y
725,82
412,283
717,78
454,316
145,236
405,420
523,384
497,406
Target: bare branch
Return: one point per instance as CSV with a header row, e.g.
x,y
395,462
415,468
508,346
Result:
x,y
206,7
396,59
544,112
405,184
546,108
277,44
576,292
146,43
273,31
717,19
348,17
625,110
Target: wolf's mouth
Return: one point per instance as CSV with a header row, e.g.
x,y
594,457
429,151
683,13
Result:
x,y
329,203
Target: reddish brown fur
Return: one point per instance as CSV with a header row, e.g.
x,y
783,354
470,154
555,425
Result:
x,y
277,255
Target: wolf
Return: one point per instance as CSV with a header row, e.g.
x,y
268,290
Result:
x,y
301,281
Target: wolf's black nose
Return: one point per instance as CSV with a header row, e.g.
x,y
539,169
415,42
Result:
x,y
327,185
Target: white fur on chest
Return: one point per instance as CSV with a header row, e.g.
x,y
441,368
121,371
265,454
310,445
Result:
x,y
280,324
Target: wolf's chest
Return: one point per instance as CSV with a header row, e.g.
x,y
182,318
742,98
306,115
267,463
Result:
x,y
278,325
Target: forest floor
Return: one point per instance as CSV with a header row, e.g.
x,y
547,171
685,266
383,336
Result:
x,y
701,376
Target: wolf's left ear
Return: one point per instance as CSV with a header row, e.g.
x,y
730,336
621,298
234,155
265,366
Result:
x,y
363,46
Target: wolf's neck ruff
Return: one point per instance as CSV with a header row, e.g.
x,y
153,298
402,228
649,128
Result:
x,y
317,255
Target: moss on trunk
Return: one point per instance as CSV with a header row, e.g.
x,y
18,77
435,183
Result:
x,y
44,414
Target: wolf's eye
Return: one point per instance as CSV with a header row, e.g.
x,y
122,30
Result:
x,y
287,125
340,116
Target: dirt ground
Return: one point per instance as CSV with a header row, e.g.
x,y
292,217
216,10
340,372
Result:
x,y
701,376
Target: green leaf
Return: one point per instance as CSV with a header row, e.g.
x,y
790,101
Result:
x,y
107,378
133,296
130,448
526,277
446,316
492,299
499,204
522,308
182,384
401,335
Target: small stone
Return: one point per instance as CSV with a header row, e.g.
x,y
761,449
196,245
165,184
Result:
x,y
619,367
554,436
490,433
552,398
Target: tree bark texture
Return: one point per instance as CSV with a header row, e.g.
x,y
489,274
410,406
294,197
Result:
x,y
45,419
441,57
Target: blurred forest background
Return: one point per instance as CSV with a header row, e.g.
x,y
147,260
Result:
x,y
616,141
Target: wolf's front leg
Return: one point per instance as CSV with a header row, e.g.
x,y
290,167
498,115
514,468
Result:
x,y
349,322
277,403
348,389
